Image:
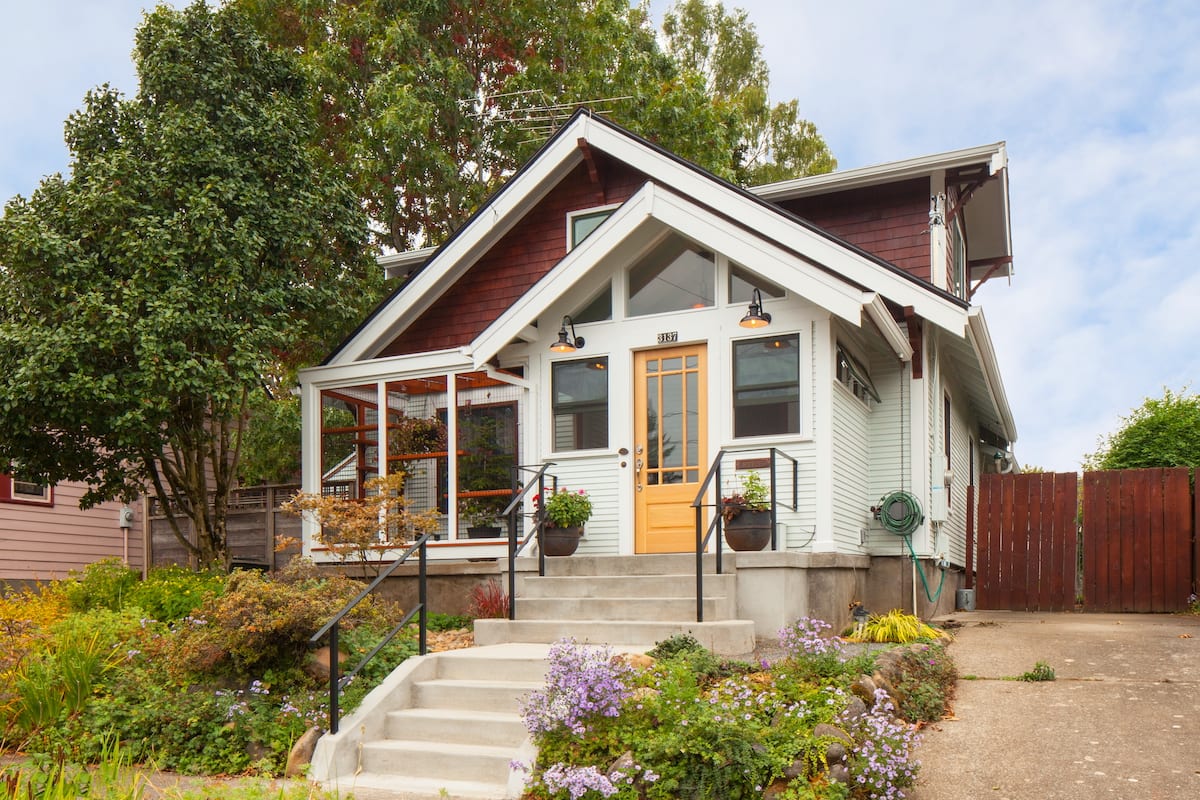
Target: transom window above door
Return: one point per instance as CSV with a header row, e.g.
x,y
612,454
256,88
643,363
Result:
x,y
675,276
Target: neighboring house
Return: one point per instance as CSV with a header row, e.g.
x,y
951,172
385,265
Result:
x,y
44,534
875,373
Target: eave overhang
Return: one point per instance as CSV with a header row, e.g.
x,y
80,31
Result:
x,y
981,343
676,179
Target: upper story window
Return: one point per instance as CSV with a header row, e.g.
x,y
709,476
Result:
x,y
675,276
580,224
854,376
743,282
15,488
766,386
579,401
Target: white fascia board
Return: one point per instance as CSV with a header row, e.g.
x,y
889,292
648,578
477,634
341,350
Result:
x,y
417,365
397,265
995,154
896,338
693,222
772,224
981,341
457,255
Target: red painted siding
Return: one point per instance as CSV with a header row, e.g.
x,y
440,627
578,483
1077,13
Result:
x,y
46,542
890,221
517,262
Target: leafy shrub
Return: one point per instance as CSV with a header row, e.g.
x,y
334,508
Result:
x,y
26,620
260,624
674,645
895,626
172,593
102,584
447,622
924,682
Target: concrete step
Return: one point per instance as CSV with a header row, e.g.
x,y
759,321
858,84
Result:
x,y
648,564
650,609
724,637
625,586
406,758
376,786
491,728
472,695
524,663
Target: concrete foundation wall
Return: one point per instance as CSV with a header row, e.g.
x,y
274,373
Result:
x,y
777,588
891,586
449,584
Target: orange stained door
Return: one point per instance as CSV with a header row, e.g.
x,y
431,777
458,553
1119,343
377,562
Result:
x,y
670,424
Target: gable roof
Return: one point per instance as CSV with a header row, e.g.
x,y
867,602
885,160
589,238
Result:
x,y
701,191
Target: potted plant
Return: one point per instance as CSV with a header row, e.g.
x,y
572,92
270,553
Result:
x,y
481,515
564,513
747,514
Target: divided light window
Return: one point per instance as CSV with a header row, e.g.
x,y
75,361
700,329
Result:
x,y
579,401
675,276
766,386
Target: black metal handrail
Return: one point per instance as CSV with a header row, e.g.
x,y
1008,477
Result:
x,y
515,547
716,526
336,682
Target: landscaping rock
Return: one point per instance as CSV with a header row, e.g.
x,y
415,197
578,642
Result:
x,y
825,729
301,754
835,753
317,664
839,773
639,661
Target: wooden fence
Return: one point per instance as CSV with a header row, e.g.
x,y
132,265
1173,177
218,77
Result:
x,y
1026,544
1135,551
260,534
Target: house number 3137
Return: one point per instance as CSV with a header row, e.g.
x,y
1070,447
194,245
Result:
x,y
668,337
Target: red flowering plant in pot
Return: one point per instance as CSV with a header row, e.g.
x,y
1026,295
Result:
x,y
747,514
564,513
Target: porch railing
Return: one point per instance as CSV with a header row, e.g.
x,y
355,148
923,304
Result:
x,y
512,513
336,682
704,536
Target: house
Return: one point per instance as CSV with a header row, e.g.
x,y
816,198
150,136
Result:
x,y
594,314
44,535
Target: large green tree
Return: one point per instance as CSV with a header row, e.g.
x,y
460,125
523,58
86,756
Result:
x,y
771,142
428,104
1161,432
198,241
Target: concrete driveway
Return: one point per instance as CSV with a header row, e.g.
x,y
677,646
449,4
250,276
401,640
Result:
x,y
1122,720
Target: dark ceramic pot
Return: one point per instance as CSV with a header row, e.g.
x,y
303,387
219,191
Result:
x,y
749,530
561,541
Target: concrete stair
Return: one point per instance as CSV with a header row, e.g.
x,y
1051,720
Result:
x,y
448,729
447,726
628,601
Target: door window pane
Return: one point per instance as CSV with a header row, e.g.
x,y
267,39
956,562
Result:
x,y
766,386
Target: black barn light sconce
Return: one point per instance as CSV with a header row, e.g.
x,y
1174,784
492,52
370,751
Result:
x,y
755,316
567,343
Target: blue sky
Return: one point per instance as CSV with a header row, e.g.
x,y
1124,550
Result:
x,y
1099,103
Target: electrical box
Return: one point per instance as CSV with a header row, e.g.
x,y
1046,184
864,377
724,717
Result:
x,y
939,503
125,519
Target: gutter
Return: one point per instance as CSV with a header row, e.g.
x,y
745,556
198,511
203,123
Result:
x,y
981,341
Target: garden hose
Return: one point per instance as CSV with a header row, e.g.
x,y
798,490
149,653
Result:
x,y
941,583
900,513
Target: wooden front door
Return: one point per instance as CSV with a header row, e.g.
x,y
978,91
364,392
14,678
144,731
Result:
x,y
670,447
